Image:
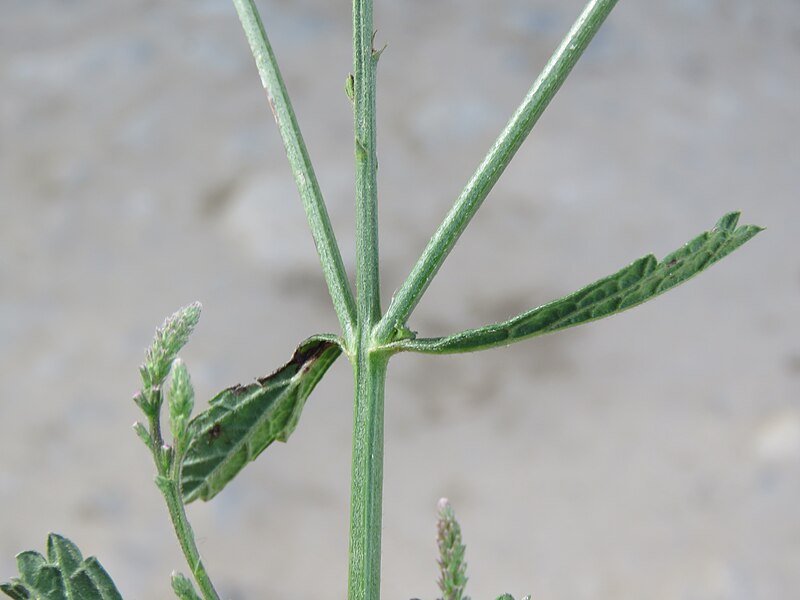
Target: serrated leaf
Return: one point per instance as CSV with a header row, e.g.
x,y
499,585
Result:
x,y
65,554
17,591
49,584
29,563
63,575
642,280
93,581
243,420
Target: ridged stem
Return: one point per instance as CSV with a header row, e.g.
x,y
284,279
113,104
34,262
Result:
x,y
366,505
300,162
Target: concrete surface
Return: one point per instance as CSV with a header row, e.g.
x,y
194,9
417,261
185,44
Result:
x,y
655,455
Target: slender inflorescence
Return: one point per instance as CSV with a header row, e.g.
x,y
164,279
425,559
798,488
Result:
x,y
452,565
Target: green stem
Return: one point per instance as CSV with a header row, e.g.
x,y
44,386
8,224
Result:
x,y
167,480
366,505
305,178
493,165
177,512
365,60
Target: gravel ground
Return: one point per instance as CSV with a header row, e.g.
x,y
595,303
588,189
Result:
x,y
653,455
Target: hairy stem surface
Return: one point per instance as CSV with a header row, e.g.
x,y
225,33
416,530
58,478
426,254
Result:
x,y
366,506
365,60
177,512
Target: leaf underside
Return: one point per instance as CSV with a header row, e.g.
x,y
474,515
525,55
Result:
x,y
63,575
642,280
243,420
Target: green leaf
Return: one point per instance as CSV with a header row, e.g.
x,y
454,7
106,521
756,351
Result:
x,y
92,581
63,575
642,280
65,554
183,587
17,591
243,420
29,563
42,580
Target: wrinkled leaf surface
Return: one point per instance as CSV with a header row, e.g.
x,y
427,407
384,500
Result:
x,y
63,575
642,280
243,420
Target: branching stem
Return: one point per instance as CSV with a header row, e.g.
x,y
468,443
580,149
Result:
x,y
493,165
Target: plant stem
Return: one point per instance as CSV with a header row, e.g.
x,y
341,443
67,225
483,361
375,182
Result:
x,y
167,480
365,60
366,504
177,512
493,165
305,178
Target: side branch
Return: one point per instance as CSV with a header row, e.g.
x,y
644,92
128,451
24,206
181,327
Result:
x,y
493,165
316,212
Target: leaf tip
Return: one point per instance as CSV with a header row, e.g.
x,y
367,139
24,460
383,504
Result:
x,y
728,222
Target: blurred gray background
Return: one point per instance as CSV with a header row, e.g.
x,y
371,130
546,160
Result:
x,y
653,455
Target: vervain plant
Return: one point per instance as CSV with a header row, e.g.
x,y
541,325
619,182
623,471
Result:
x,y
204,453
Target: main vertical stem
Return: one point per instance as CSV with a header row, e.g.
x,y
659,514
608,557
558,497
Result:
x,y
366,502
365,60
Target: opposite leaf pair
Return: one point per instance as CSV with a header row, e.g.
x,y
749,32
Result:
x,y
244,419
